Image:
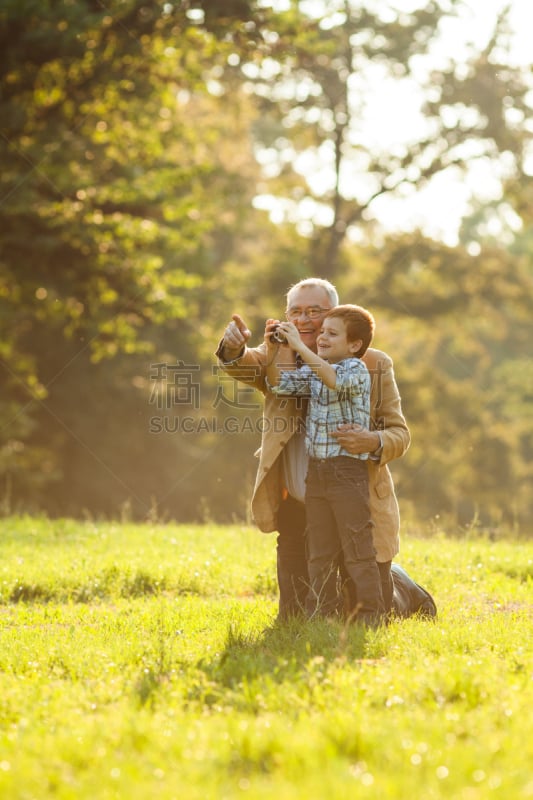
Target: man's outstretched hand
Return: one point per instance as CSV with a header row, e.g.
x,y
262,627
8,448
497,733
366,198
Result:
x,y
235,337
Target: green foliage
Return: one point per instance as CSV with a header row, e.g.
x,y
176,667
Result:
x,y
200,693
104,174
459,327
142,144
114,215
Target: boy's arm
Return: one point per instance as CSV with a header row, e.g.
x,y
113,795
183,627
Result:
x,y
321,368
293,382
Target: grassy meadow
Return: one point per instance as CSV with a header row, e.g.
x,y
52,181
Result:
x,y
143,661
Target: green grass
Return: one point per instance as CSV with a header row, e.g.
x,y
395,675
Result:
x,y
143,662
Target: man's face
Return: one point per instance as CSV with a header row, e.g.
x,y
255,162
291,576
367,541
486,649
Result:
x,y
307,301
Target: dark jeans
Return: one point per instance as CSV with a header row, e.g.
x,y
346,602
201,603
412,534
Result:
x,y
338,522
349,591
293,577
400,592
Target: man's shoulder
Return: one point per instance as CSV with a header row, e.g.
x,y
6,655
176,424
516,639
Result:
x,y
377,360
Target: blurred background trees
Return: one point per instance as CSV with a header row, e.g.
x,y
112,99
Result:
x,y
166,164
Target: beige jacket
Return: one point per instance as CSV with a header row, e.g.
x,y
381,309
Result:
x,y
281,419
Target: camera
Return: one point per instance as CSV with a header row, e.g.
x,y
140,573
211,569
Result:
x,y
277,336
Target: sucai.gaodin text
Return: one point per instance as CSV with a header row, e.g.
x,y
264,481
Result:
x,y
170,424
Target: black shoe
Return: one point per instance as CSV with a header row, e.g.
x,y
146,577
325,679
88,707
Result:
x,y
409,598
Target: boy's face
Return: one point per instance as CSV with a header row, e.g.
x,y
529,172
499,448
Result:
x,y
332,342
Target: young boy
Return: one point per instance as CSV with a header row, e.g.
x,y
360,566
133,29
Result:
x,y
337,504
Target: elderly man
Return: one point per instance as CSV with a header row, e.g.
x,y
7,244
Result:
x,y
277,502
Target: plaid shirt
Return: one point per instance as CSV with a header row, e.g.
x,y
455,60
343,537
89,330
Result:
x,y
329,408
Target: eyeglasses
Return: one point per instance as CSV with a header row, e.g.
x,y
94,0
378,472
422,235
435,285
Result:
x,y
311,312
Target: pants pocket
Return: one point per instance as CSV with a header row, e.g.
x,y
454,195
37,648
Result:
x,y
362,544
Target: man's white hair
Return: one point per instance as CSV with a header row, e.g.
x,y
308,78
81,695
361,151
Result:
x,y
315,283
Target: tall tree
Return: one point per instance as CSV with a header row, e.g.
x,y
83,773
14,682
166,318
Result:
x,y
331,155
115,210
